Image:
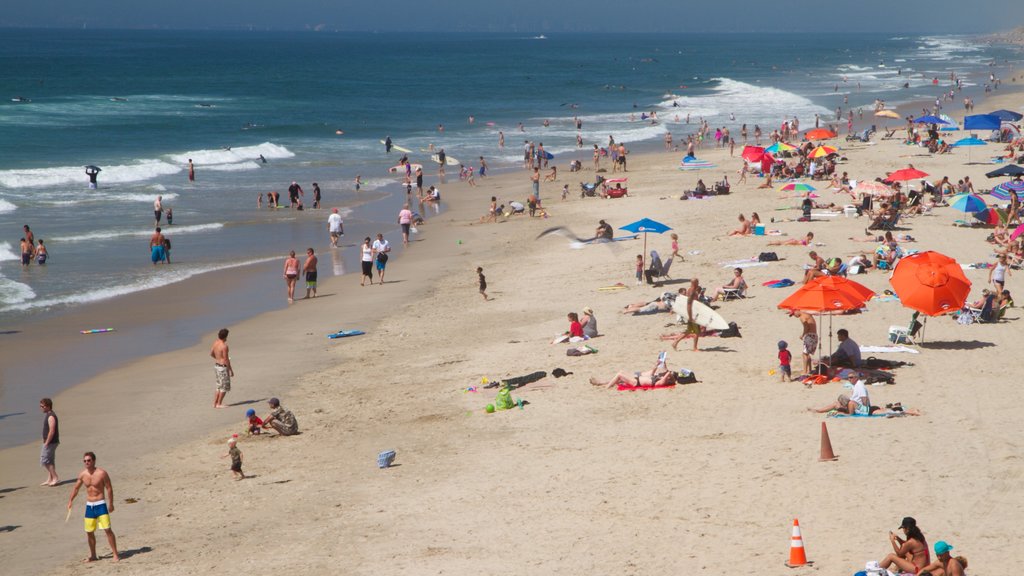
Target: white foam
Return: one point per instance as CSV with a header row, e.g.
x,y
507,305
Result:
x,y
242,154
108,234
7,252
6,206
87,197
749,102
39,177
161,277
14,293
241,166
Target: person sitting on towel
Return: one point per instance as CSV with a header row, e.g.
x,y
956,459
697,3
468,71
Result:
x,y
857,403
848,353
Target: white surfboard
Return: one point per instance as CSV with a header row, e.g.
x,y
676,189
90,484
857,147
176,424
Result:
x,y
703,315
401,168
399,148
448,160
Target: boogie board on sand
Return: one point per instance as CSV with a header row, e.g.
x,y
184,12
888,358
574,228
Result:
x,y
703,315
345,333
399,148
448,160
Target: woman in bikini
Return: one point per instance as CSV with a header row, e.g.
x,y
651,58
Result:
x,y
744,229
806,241
909,554
660,375
291,273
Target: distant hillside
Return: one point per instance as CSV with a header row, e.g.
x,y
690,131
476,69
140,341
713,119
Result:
x,y
1015,36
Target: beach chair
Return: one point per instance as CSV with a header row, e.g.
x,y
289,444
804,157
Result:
x,y
658,270
890,134
984,315
735,293
887,223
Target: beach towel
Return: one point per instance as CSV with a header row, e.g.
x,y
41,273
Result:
x,y
634,387
893,349
783,283
746,265
734,263
886,415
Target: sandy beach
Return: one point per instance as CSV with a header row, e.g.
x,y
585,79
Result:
x,y
701,478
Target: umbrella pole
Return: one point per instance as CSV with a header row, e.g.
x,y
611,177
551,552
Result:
x,y
643,257
818,359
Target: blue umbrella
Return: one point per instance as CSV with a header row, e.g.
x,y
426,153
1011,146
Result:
x,y
967,203
951,124
647,225
969,142
1007,115
1002,191
929,119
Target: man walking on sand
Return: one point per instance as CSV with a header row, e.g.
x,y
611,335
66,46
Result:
x,y
809,337
221,367
51,439
309,271
97,509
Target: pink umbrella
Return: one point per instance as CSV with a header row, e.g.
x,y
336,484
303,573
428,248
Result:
x,y
1017,232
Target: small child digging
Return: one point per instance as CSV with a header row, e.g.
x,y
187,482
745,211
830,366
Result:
x,y
483,282
236,458
255,422
785,357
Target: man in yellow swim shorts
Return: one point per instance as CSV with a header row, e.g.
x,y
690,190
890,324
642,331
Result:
x,y
97,508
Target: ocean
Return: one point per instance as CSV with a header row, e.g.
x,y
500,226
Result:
x,y
315,106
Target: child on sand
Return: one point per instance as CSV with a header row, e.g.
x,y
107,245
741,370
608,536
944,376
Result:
x,y
255,423
236,458
483,282
785,357
639,269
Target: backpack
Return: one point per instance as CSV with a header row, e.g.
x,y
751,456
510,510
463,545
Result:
x,y
768,257
684,376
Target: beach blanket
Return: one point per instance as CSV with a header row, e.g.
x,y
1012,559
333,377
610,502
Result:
x,y
746,265
886,298
734,263
634,387
893,349
976,266
887,415
783,283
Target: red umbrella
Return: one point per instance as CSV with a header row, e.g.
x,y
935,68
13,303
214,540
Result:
x,y
766,162
931,283
819,134
906,174
752,153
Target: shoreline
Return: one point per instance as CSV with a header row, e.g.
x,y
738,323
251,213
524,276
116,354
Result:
x,y
423,278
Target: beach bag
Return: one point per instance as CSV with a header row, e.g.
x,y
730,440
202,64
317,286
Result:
x,y
382,258
504,399
684,376
733,331
768,257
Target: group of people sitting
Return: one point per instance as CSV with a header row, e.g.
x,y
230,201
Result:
x,y
747,226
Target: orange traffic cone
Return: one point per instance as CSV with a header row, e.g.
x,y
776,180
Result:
x,y
797,556
826,446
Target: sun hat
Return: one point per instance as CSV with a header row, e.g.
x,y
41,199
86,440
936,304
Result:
x,y
274,402
250,412
588,310
232,440
941,547
908,522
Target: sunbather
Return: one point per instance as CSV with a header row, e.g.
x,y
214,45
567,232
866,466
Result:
x,y
737,283
661,304
744,229
805,241
858,403
909,554
660,375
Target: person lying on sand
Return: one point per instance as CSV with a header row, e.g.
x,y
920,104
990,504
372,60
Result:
x,y
660,375
806,241
661,304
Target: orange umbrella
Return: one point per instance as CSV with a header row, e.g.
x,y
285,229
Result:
x,y
906,174
828,294
931,283
822,151
819,134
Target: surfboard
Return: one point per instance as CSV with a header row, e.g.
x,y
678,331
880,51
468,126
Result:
x,y
548,155
619,286
401,168
399,148
703,315
448,160
97,331
345,334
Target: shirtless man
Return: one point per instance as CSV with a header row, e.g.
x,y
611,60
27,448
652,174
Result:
x,y
816,269
691,326
158,209
157,251
97,509
809,336
222,367
944,563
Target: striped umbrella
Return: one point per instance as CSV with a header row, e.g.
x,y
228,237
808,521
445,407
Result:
x,y
796,187
822,151
873,188
991,216
779,147
1002,191
695,164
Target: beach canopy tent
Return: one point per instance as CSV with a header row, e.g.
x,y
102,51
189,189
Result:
x,y
1008,170
982,122
1007,115
929,119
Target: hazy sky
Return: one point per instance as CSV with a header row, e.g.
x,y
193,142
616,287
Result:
x,y
550,16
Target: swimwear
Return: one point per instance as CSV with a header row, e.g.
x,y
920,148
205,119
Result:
x,y
223,378
26,258
810,343
96,515
311,279
157,254
367,268
41,259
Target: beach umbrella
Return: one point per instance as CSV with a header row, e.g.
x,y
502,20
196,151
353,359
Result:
x,y
779,147
887,114
796,187
822,151
691,163
645,225
931,283
819,134
1017,232
752,153
828,295
1007,115
967,203
982,122
929,119
991,216
873,188
906,174
1002,191
1008,170
968,142
950,124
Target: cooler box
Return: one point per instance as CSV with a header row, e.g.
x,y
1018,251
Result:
x,y
850,211
759,230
